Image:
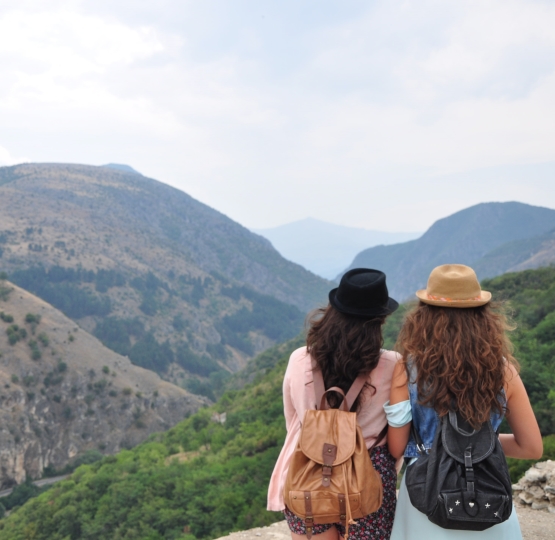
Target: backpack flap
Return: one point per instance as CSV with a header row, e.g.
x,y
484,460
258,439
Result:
x,y
470,510
323,430
456,439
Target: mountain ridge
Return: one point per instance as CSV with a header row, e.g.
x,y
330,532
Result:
x,y
166,269
463,237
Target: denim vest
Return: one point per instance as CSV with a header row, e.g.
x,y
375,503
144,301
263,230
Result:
x,y
425,420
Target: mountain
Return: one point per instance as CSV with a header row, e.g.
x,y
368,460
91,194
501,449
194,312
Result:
x,y
121,167
153,273
209,475
64,393
464,237
325,248
518,255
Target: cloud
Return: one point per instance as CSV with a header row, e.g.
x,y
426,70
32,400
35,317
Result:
x,y
274,111
7,159
62,57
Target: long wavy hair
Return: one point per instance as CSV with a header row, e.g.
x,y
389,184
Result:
x,y
343,347
461,357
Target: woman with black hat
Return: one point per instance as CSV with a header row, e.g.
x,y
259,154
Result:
x,y
344,341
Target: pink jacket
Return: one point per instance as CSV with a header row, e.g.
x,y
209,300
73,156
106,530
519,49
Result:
x,y
298,396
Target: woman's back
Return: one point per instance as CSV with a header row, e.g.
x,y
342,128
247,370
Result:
x,y
343,342
457,357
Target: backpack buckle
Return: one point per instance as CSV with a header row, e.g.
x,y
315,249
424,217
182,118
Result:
x,y
421,449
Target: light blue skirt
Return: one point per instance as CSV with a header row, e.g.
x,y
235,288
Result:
x,y
411,524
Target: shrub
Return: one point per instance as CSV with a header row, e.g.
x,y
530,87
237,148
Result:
x,y
32,318
53,378
35,352
15,334
6,317
5,292
29,380
44,339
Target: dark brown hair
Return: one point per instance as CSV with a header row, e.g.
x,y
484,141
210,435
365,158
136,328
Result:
x,y
461,357
343,346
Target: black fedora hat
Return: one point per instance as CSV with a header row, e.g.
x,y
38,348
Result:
x,y
362,292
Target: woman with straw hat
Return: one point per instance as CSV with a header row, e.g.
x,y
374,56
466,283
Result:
x,y
456,354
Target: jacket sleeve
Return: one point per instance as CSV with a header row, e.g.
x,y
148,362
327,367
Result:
x,y
288,406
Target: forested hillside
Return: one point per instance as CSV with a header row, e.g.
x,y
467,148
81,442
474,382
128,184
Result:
x,y
531,296
154,274
201,479
209,474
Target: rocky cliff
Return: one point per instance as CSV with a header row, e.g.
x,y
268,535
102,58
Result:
x,y
63,393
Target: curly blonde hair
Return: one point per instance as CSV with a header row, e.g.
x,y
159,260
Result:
x,y
461,358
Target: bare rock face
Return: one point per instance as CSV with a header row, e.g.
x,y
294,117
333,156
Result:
x,y
536,488
63,393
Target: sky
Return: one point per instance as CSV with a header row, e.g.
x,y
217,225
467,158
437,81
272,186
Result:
x,y
386,115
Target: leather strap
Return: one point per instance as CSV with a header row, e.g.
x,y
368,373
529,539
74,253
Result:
x,y
309,519
320,388
329,453
324,405
380,438
342,509
356,389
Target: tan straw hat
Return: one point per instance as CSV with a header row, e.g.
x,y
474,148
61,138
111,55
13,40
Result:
x,y
453,285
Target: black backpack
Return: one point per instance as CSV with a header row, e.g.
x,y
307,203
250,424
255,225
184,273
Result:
x,y
463,482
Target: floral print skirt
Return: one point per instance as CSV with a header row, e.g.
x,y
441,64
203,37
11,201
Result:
x,y
374,526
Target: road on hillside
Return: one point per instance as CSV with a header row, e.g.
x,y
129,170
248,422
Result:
x,y
38,483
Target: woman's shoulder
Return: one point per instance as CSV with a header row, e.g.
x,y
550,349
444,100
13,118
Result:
x,y
299,360
389,358
383,372
299,355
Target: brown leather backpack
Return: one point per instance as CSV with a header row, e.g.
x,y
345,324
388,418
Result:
x,y
331,478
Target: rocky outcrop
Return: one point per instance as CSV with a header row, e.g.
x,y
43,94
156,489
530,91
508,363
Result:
x,y
73,395
536,488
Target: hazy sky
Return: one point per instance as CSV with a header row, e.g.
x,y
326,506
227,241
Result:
x,y
385,114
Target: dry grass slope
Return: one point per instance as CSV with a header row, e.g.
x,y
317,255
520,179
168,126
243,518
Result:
x,y
63,393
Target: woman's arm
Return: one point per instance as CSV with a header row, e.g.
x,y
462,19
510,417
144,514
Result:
x,y
398,437
525,442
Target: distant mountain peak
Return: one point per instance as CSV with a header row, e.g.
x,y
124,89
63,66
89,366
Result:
x,y
121,167
469,236
326,248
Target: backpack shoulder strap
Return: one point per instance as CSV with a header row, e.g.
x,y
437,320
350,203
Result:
x,y
379,438
320,388
356,389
